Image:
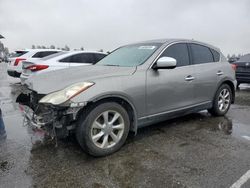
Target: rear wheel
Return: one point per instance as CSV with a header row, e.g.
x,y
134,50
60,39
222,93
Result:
x,y
104,129
222,101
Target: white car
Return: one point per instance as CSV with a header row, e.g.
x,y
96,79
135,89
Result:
x,y
15,64
59,60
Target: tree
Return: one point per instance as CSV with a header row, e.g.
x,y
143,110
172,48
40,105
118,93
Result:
x,y
52,47
82,48
33,46
66,48
38,47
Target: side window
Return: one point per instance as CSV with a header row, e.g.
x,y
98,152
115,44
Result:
x,y
98,57
86,58
201,54
79,58
66,60
179,52
43,54
216,55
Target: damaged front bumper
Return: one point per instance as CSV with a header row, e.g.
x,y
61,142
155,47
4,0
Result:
x,y
58,122
37,121
55,120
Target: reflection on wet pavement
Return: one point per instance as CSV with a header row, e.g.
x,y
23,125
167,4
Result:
x,y
226,126
192,151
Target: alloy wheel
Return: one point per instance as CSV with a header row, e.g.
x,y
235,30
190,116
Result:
x,y
224,100
107,129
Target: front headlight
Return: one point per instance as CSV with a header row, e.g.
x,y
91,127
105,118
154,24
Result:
x,y
66,94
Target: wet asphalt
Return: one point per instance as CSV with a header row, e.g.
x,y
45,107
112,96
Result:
x,y
197,150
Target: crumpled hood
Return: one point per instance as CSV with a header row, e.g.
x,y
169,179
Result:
x,y
56,80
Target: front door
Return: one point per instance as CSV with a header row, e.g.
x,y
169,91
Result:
x,y
171,89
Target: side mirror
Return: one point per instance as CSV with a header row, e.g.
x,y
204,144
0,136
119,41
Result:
x,y
165,63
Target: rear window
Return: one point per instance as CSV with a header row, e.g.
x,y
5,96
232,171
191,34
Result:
x,y
54,55
79,58
18,53
43,54
245,58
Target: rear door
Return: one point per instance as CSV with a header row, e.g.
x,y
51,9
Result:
x,y
206,70
171,89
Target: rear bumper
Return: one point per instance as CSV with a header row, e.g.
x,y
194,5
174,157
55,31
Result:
x,y
243,77
23,78
14,74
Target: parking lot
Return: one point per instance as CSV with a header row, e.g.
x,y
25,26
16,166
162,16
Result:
x,y
193,151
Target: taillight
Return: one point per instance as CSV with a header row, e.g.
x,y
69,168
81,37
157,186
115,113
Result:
x,y
18,61
34,68
234,67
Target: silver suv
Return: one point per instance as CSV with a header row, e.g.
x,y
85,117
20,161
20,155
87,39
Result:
x,y
136,85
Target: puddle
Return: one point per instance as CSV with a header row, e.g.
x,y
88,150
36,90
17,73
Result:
x,y
233,127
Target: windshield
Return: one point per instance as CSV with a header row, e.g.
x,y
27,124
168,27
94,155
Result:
x,y
54,55
131,55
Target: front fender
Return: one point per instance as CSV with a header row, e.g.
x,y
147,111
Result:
x,y
124,97
118,95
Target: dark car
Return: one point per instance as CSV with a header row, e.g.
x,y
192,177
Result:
x,y
243,70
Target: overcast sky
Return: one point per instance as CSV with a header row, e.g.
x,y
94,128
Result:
x,y
97,24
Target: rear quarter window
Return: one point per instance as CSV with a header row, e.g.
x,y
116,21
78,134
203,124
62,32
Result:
x,y
216,55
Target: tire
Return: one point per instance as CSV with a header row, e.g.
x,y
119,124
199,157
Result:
x,y
217,109
95,130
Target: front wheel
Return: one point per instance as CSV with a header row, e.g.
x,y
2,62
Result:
x,y
104,129
222,101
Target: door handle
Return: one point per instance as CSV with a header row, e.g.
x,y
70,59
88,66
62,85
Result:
x,y
219,73
189,78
